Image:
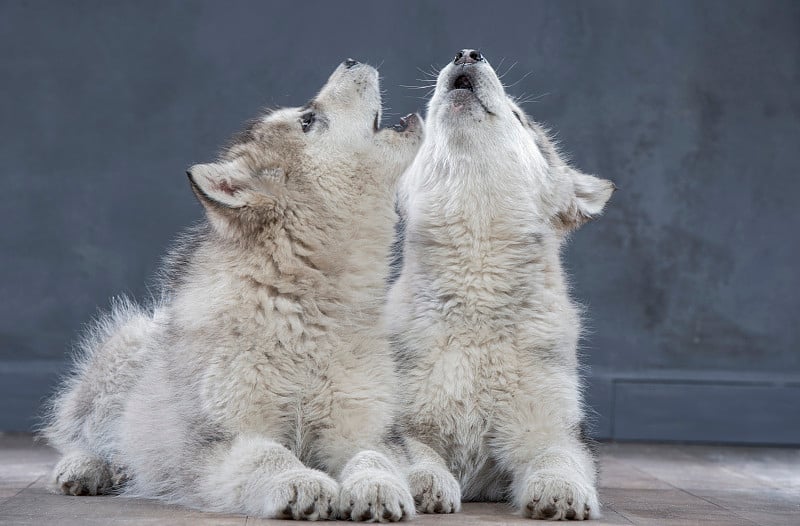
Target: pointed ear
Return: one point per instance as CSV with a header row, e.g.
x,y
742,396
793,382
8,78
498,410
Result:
x,y
219,185
592,193
590,197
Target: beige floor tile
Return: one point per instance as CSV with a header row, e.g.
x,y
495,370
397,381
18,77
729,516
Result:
x,y
678,467
615,473
642,484
673,507
772,467
767,508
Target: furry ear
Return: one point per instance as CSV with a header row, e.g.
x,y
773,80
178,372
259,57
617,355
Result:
x,y
590,197
592,193
219,185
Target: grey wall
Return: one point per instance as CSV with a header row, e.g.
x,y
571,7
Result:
x,y
692,108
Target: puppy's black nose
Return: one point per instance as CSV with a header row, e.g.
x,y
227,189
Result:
x,y
468,56
349,63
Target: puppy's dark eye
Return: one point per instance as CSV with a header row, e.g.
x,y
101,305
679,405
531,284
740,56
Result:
x,y
519,118
307,120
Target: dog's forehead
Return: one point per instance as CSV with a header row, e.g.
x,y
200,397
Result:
x,y
278,125
279,116
269,131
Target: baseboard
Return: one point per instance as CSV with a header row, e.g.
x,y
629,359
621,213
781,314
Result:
x,y
711,406
24,387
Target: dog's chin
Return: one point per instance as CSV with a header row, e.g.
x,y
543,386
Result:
x,y
462,98
462,104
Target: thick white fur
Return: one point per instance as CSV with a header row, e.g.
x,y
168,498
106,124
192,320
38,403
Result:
x,y
262,383
485,332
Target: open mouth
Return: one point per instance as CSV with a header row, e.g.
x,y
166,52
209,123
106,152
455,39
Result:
x,y
401,126
463,82
405,122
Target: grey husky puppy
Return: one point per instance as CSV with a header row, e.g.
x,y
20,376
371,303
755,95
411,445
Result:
x,y
485,331
263,382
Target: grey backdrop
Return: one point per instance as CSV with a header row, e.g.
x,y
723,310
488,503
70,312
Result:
x,y
691,107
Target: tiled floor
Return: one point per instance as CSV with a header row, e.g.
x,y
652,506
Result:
x,y
640,484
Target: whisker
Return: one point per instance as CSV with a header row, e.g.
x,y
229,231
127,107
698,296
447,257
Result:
x,y
526,75
428,74
524,99
507,71
417,87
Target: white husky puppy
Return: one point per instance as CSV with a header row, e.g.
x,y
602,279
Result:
x,y
266,370
485,332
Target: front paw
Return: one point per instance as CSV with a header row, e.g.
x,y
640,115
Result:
x,y
434,489
375,496
305,494
80,473
555,496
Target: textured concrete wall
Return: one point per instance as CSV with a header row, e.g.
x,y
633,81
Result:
x,y
692,108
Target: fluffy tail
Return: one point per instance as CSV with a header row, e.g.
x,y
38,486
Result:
x,y
82,413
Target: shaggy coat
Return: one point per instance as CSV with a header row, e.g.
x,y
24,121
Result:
x,y
262,383
485,332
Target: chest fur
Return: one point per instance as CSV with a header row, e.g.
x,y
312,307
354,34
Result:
x,y
456,388
266,370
